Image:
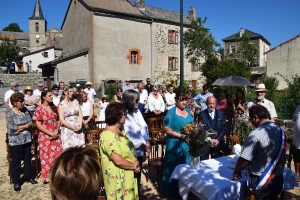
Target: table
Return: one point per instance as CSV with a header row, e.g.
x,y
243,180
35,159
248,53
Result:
x,y
213,180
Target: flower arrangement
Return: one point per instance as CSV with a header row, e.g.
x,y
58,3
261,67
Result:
x,y
198,139
244,128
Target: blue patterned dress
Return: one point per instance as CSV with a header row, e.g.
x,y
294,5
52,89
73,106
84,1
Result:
x,y
176,151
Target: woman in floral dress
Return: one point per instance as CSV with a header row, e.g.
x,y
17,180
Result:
x,y
239,108
46,117
71,120
117,156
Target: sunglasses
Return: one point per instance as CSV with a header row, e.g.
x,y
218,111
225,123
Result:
x,y
21,101
40,86
154,90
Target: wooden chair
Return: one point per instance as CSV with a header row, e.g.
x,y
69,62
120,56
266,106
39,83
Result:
x,y
95,134
34,148
289,156
156,157
155,122
8,157
234,139
100,125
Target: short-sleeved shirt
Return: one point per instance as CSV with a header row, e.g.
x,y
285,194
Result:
x,y
91,92
129,87
56,100
7,97
267,104
261,146
119,183
296,119
37,93
137,130
202,98
30,99
170,100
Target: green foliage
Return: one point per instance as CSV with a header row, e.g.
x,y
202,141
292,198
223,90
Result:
x,y
214,69
198,41
8,51
293,95
110,91
14,27
245,51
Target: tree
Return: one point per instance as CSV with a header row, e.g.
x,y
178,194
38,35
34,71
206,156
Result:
x,y
245,51
198,41
13,27
8,50
213,69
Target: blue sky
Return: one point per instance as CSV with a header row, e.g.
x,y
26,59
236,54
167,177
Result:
x,y
276,20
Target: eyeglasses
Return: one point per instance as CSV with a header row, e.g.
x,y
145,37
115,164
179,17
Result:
x,y
21,101
154,90
137,100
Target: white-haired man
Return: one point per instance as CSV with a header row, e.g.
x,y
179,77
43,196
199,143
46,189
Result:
x,y
13,89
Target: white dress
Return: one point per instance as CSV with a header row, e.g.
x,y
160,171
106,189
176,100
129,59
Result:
x,y
102,111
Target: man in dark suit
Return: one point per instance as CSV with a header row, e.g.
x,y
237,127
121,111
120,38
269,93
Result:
x,y
214,119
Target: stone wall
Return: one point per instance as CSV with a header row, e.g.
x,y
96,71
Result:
x,y
287,126
21,79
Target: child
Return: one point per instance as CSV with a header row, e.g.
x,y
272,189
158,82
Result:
x,y
222,104
102,105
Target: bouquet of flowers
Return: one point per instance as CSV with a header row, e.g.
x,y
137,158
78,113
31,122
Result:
x,y
244,128
198,139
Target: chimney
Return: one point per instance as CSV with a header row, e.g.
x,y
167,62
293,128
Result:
x,y
140,3
242,31
192,13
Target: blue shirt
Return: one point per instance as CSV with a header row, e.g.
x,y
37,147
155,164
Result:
x,y
202,98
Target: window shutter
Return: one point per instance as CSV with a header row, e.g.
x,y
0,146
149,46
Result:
x,y
176,37
170,36
176,65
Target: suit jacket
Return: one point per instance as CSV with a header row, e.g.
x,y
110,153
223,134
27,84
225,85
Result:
x,y
217,124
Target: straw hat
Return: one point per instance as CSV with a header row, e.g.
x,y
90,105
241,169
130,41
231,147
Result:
x,y
104,97
28,88
260,88
88,83
127,79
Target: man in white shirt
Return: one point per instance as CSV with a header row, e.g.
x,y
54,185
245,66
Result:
x,y
260,99
90,91
13,89
127,85
61,88
143,97
56,97
37,92
170,97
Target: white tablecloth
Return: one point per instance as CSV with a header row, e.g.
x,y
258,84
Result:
x,y
213,180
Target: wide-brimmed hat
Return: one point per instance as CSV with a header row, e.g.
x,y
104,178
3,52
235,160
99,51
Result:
x,y
127,79
28,88
54,87
88,83
104,97
260,88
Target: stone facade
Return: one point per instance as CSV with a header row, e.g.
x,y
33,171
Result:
x,y
37,37
110,40
284,59
73,69
21,79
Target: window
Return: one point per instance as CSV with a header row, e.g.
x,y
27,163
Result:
x,y
45,54
172,63
196,66
134,56
232,49
37,27
173,37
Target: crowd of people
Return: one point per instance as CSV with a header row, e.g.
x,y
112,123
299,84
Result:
x,y
62,118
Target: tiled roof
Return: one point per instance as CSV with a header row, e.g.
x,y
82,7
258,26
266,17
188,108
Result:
x,y
164,15
15,35
119,6
37,11
251,34
286,42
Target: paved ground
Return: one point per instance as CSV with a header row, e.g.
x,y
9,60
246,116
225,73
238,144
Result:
x,y
40,191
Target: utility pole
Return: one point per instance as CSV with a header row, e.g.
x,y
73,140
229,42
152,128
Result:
x,y
181,47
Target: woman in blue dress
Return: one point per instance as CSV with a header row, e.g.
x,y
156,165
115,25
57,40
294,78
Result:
x,y
176,146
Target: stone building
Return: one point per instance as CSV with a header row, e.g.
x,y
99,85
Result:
x,y
284,59
262,44
125,39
